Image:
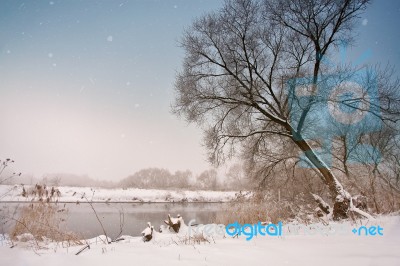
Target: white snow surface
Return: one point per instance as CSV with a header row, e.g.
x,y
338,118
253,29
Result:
x,y
169,249
82,194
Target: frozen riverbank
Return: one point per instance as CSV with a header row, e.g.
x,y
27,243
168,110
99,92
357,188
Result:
x,y
82,194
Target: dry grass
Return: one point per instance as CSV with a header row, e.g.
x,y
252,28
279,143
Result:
x,y
42,221
253,210
195,239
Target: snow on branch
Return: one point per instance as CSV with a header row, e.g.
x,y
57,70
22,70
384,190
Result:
x,y
322,204
359,211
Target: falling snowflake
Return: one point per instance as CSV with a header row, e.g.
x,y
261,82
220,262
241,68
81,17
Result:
x,y
364,22
128,83
110,38
51,3
137,105
50,55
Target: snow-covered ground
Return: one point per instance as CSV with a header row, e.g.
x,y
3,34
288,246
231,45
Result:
x,y
334,245
169,249
74,194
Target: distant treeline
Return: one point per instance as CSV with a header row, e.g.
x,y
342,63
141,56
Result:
x,y
150,178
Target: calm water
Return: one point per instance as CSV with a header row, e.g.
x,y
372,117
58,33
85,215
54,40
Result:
x,y
82,220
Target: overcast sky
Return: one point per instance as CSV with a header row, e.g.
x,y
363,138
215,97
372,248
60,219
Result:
x,y
86,86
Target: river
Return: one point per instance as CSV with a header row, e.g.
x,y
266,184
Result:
x,y
133,217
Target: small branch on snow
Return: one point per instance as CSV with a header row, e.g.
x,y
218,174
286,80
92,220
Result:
x,y
82,249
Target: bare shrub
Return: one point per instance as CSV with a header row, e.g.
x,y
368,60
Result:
x,y
41,192
260,207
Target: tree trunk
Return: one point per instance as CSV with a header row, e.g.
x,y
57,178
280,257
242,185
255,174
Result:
x,y
340,197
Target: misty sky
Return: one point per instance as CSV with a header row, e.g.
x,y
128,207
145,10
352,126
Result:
x,y
86,86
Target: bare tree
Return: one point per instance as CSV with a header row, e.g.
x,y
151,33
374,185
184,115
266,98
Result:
x,y
235,178
237,63
207,180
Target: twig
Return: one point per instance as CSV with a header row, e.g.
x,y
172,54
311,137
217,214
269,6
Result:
x,y
98,219
119,239
82,249
121,223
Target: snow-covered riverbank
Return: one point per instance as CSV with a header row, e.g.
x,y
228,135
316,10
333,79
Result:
x,y
169,249
82,194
